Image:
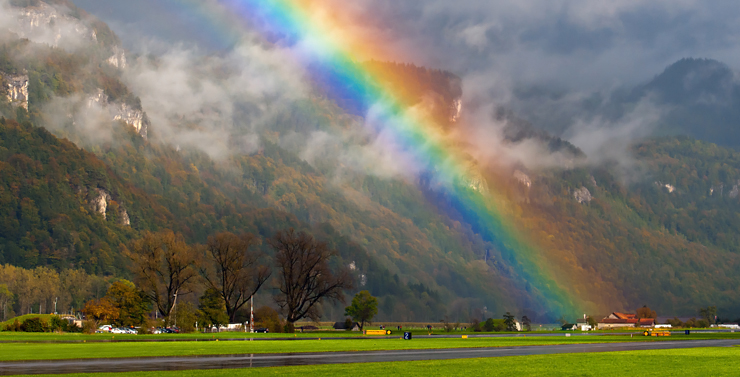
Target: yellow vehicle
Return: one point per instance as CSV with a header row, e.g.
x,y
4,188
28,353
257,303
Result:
x,y
654,332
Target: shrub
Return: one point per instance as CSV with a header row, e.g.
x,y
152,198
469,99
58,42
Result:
x,y
57,324
489,325
33,325
267,317
15,326
89,327
72,327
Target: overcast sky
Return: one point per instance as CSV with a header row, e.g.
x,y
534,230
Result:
x,y
579,43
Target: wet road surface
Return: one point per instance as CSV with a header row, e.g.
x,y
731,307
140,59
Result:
x,y
273,360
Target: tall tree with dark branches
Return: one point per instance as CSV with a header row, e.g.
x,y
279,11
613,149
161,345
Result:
x,y
164,268
232,268
305,277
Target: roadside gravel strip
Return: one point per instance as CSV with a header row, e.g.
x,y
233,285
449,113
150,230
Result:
x,y
274,360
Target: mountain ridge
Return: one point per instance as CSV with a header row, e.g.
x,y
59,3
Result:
x,y
618,243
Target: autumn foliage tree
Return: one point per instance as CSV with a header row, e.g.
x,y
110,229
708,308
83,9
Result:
x,y
164,267
232,269
646,312
101,310
132,304
304,273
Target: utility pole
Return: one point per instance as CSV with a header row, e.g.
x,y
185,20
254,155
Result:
x,y
251,315
55,304
174,308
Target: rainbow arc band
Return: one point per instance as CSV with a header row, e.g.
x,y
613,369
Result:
x,y
310,29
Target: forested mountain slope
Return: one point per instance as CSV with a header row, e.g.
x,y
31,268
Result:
x,y
618,245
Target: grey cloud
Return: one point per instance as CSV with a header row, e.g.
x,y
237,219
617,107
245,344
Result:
x,y
214,103
585,49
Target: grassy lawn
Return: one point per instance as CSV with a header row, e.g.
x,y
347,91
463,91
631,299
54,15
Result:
x,y
680,362
7,336
42,351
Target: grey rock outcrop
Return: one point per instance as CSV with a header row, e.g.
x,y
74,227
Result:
x,y
669,187
582,195
118,59
456,110
123,215
16,89
476,182
47,24
132,117
120,112
99,201
522,178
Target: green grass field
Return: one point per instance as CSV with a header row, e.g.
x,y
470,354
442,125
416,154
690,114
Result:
x,y
46,351
680,362
6,336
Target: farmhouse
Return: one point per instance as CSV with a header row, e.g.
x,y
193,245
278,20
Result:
x,y
620,320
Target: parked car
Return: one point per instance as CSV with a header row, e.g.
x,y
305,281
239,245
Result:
x,y
262,330
106,328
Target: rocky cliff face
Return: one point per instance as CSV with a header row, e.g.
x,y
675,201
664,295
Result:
x,y
132,117
473,180
118,59
522,178
16,89
455,110
120,112
582,195
99,201
47,24
669,187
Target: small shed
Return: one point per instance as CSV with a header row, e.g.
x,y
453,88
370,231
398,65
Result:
x,y
343,326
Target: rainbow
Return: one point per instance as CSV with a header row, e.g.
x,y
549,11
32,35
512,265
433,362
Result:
x,y
329,49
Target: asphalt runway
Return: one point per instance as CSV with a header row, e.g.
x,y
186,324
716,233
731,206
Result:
x,y
274,360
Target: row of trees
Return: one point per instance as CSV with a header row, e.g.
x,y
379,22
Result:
x,y
232,269
44,290
508,323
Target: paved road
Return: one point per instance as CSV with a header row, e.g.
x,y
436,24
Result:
x,y
271,360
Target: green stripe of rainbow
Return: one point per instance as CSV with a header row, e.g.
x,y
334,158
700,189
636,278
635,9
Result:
x,y
331,51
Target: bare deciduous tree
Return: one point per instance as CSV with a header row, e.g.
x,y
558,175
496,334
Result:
x,y
232,269
305,277
164,267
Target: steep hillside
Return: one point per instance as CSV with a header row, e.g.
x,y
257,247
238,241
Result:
x,y
62,206
702,97
394,234
691,97
666,240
